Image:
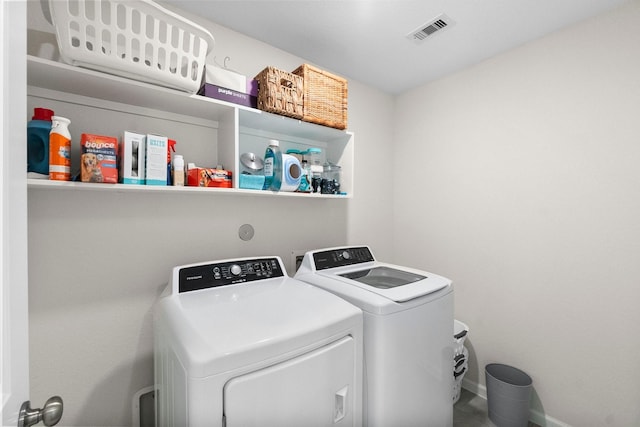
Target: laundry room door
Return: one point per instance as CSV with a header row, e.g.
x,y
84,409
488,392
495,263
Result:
x,y
14,339
315,389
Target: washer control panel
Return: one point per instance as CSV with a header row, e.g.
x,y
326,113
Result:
x,y
217,274
341,257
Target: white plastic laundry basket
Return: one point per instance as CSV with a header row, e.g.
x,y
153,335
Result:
x,y
137,39
460,357
460,331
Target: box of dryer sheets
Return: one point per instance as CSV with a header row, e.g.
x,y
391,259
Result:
x,y
98,158
132,158
229,95
156,160
223,77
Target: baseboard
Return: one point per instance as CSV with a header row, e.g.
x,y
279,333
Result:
x,y
535,416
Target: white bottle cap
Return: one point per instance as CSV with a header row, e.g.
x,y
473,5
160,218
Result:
x,y
274,142
60,119
178,162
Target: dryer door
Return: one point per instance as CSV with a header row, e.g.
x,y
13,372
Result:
x,y
314,389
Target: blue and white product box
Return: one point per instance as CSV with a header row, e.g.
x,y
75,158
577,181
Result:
x,y
156,160
132,158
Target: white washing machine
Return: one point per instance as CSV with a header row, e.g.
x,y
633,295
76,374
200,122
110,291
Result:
x,y
408,351
239,343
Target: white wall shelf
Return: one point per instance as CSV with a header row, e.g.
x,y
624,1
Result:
x,y
129,188
209,131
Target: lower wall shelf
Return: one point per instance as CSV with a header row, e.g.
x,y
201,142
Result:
x,y
127,188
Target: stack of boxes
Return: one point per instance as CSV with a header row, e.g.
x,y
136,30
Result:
x,y
226,85
143,159
460,357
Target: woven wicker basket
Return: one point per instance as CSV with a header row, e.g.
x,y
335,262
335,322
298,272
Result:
x,y
325,97
280,92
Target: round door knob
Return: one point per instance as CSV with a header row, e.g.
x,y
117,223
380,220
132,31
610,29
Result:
x,y
50,415
52,411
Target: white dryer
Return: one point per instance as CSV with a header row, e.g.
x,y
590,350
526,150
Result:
x,y
239,343
408,351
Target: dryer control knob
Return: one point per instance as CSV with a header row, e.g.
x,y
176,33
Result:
x,y
346,255
235,269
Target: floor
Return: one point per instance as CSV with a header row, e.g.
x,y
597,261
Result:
x,y
471,411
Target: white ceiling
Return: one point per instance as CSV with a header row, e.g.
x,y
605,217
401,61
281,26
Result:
x,y
365,39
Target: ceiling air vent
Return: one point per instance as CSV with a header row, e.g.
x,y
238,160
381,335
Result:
x,y
435,25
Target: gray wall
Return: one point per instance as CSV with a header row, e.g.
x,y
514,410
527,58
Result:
x,y
517,178
529,199
97,261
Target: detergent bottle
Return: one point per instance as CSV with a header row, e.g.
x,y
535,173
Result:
x,y
38,130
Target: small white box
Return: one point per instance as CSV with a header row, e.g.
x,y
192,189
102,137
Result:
x,y
132,158
156,160
225,78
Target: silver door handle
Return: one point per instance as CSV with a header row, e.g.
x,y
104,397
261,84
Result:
x,y
50,415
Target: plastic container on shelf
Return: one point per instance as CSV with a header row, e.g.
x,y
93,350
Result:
x,y
139,40
38,130
270,159
314,159
305,180
331,175
60,149
313,156
178,170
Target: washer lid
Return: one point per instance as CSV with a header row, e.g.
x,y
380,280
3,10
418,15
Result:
x,y
378,287
399,284
383,277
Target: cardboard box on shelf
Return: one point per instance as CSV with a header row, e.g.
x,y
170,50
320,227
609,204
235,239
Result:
x,y
209,177
156,160
98,159
132,158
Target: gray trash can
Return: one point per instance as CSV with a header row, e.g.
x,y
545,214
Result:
x,y
508,395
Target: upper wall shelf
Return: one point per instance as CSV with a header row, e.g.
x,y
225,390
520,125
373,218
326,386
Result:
x,y
61,77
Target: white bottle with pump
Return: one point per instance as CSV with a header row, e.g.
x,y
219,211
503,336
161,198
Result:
x,y
178,170
270,158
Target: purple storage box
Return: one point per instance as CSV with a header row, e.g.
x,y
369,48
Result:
x,y
252,87
229,95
